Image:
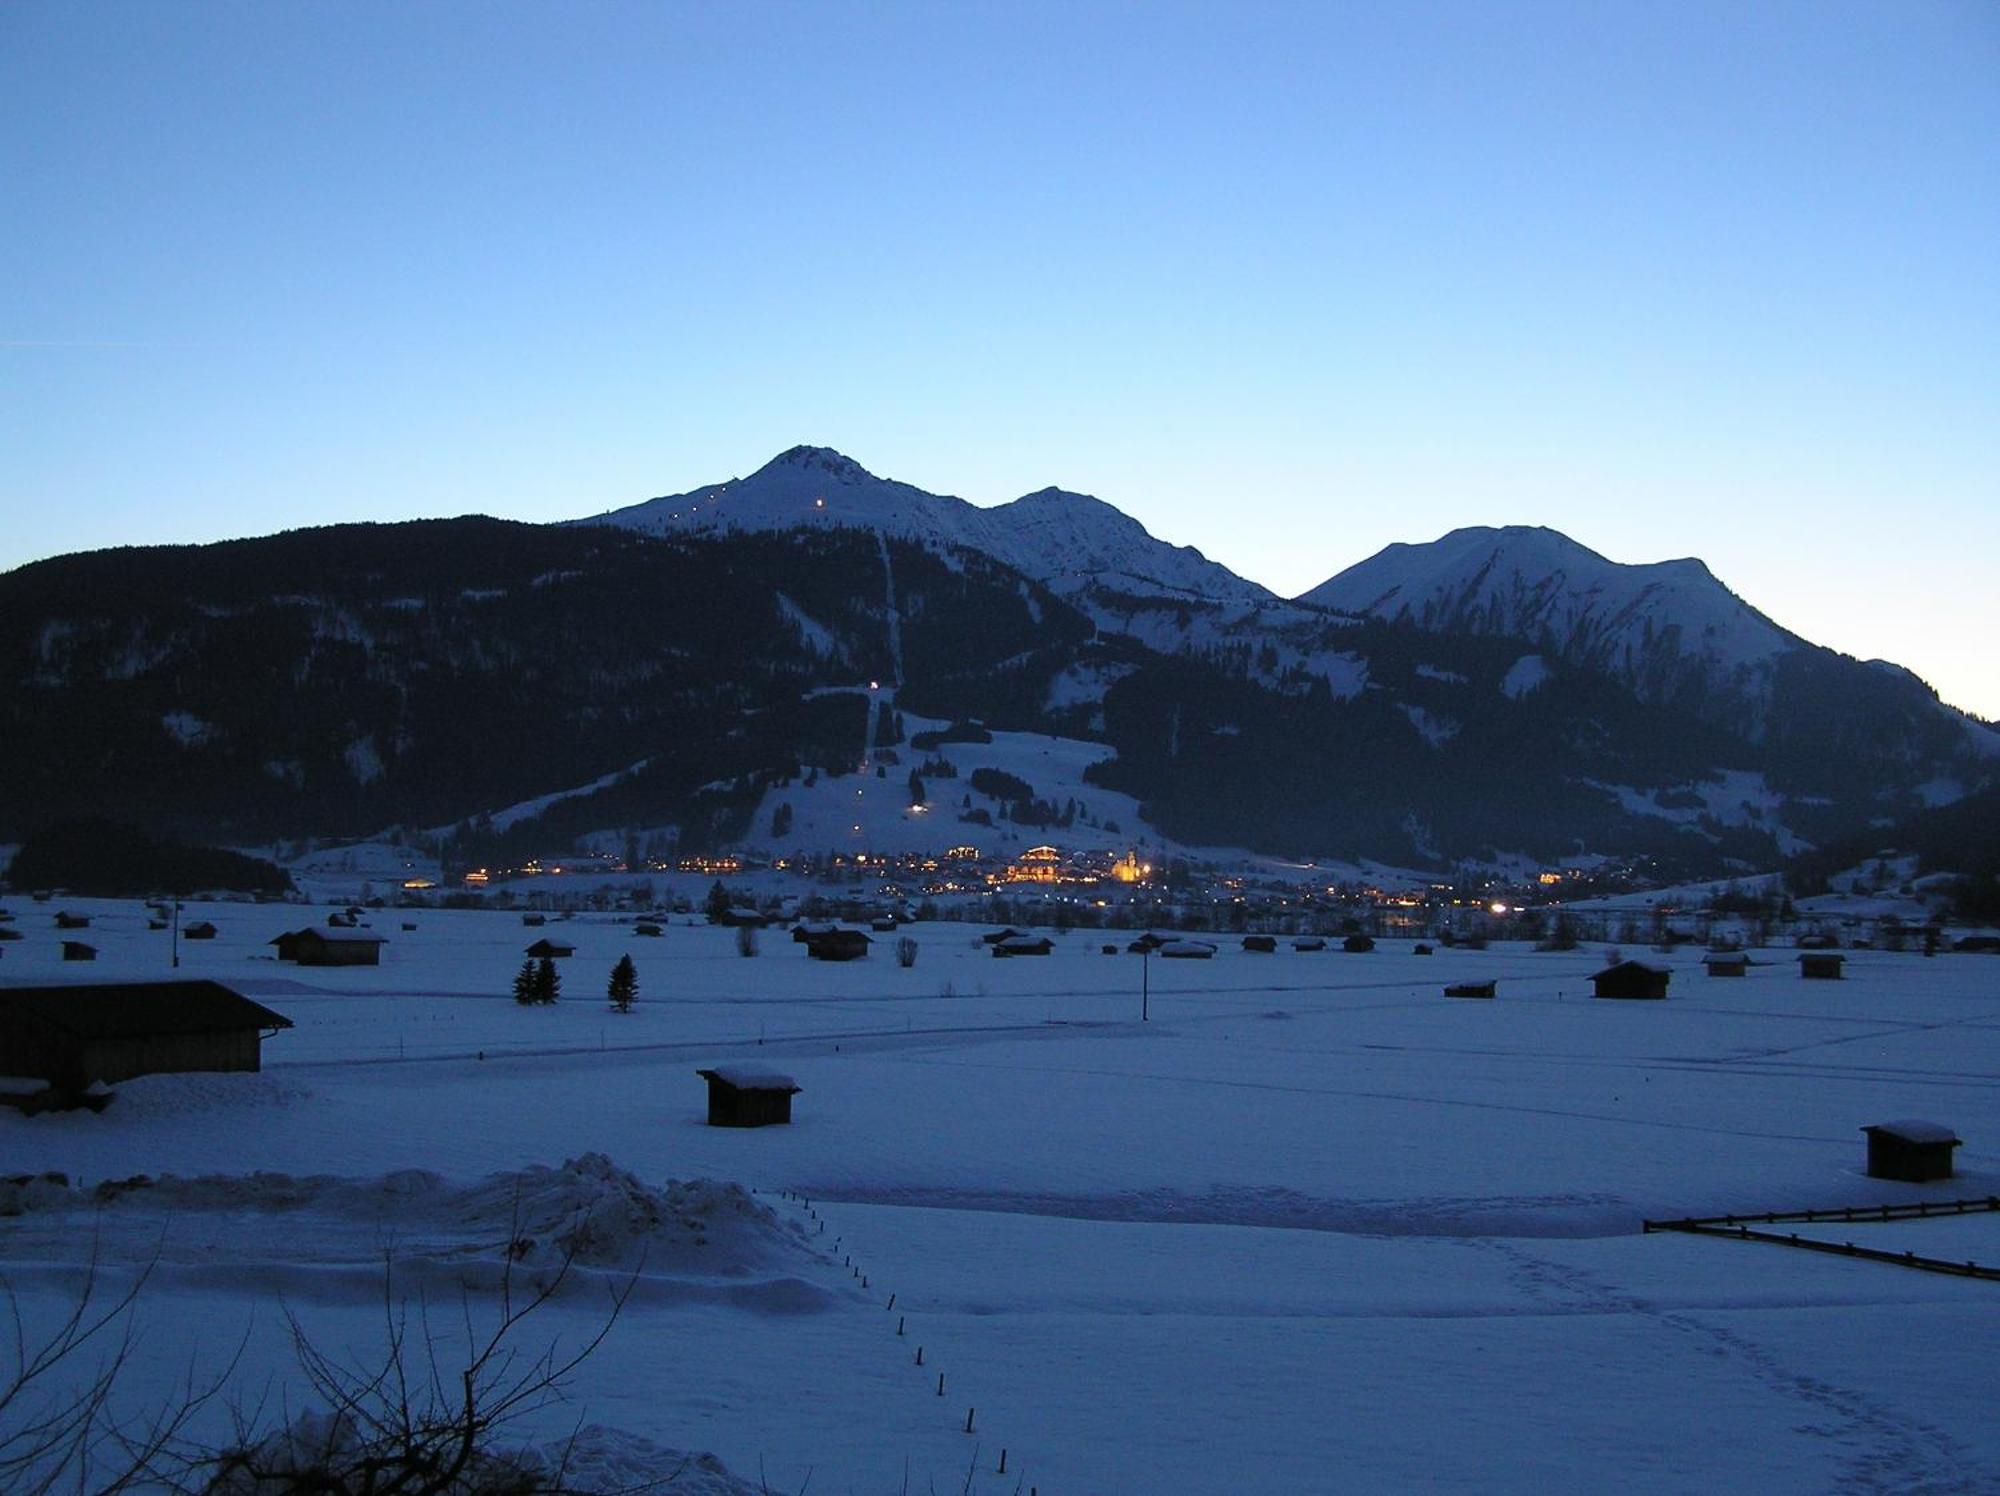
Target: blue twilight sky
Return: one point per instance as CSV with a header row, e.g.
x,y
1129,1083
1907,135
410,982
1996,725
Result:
x,y
1283,281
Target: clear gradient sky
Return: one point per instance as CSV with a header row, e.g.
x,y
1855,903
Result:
x,y
1286,282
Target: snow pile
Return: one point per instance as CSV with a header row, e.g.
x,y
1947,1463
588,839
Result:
x,y
604,1216
156,1097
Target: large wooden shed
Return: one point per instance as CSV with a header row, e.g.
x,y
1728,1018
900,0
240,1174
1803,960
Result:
x,y
1024,945
313,946
550,950
1726,964
740,1097
1821,966
1632,979
73,1035
838,945
1910,1150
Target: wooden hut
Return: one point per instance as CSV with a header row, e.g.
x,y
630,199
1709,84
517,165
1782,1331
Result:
x,y
313,946
1910,1150
202,931
1356,945
534,921
67,921
1420,949
804,933
838,945
1264,944
994,937
1186,950
740,1097
885,925
1821,966
1472,989
1632,979
551,950
1146,944
1024,945
76,950
1726,964
74,1035
646,927
1309,943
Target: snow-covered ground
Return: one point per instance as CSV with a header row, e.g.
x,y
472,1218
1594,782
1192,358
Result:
x,y
1311,1227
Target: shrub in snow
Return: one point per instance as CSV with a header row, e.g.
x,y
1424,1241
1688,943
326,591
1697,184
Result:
x,y
906,952
746,940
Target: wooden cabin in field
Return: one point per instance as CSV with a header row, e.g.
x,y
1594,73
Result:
x,y
1472,989
1726,964
1356,945
805,933
1262,944
67,921
340,919
1910,1150
742,1097
534,921
1632,979
72,1036
1821,966
202,931
1309,943
647,927
313,946
76,950
553,950
1186,950
1420,949
838,945
885,925
994,937
1024,945
1146,944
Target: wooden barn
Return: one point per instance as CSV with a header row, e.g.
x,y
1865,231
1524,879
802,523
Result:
x,y
1726,964
1146,944
646,927
67,921
72,1036
1024,945
739,1097
1472,989
805,934
553,950
1420,949
838,945
201,931
1186,950
1821,966
1910,1150
534,921
1632,979
76,950
313,946
1356,945
1309,943
994,937
1264,944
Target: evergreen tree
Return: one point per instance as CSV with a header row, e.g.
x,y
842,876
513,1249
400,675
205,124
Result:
x,y
524,983
548,981
624,985
917,795
717,903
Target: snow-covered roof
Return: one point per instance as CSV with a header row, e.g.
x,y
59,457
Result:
x,y
1915,1130
1629,965
745,1078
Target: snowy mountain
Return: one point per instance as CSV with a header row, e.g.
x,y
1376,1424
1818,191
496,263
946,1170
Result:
x,y
1651,624
1069,542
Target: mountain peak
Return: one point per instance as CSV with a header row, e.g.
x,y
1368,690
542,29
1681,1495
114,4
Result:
x,y
1540,585
836,465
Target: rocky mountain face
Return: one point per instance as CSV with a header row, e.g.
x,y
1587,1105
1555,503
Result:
x,y
1497,692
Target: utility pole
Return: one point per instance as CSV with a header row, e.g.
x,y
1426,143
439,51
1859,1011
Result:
x,y
177,931
1145,983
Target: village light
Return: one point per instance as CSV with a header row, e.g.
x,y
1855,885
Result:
x,y
1498,908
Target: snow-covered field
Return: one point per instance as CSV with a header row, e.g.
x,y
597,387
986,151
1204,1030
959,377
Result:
x,y
1312,1227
